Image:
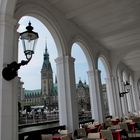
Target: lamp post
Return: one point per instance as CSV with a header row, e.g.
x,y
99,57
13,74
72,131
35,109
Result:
x,y
29,40
125,90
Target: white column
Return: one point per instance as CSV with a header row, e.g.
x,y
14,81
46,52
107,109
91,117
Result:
x,y
99,95
132,99
124,99
129,99
110,97
117,100
8,89
126,104
136,97
93,96
68,108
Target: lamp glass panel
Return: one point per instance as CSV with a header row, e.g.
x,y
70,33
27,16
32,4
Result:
x,y
29,35
29,39
29,47
127,87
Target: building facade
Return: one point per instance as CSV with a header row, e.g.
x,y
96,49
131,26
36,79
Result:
x,y
47,96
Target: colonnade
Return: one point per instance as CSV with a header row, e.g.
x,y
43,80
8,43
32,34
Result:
x,y
68,112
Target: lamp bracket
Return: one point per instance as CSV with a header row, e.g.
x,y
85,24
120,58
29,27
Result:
x,y
10,71
122,94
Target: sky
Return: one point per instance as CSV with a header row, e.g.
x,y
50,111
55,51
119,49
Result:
x,y
30,74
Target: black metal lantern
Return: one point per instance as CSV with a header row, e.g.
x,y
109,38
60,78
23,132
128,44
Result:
x,y
29,39
127,86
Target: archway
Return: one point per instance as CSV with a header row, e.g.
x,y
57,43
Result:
x,y
82,86
95,101
132,93
124,98
108,99
104,80
138,84
42,95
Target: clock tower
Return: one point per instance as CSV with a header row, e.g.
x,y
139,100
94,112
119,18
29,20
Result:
x,y
46,79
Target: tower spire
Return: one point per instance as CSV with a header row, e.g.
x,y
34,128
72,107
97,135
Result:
x,y
46,62
46,49
55,79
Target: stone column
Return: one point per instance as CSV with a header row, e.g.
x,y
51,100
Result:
x,y
8,89
117,99
68,107
99,95
129,99
136,97
93,96
124,99
132,99
126,104
110,95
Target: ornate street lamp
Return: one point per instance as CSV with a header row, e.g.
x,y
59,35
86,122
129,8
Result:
x,y
29,40
126,88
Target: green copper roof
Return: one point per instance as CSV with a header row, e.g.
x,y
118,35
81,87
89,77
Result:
x,y
31,93
46,63
54,90
37,92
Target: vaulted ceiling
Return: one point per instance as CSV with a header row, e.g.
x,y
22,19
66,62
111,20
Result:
x,y
114,23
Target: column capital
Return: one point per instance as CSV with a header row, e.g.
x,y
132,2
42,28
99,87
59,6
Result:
x,y
63,59
90,72
98,70
7,20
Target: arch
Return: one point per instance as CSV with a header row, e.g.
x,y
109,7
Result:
x,y
123,69
86,49
90,62
124,76
109,98
132,92
7,6
138,84
105,63
47,19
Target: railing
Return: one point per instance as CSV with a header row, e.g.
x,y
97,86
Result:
x,y
39,117
84,122
34,131
37,124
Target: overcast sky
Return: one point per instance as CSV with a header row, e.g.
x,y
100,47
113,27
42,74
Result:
x,y
30,74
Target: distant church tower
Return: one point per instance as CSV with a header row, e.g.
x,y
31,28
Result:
x,y
46,79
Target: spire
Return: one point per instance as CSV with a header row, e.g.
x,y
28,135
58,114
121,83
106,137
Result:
x,y
46,54
55,79
46,50
85,83
46,63
80,84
